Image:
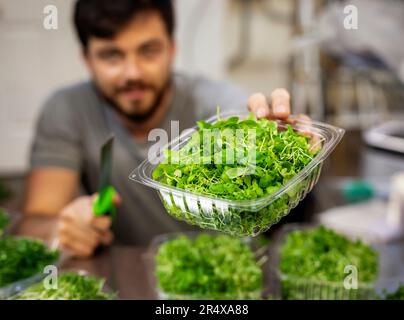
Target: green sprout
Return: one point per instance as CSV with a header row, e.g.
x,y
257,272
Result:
x,y
247,166
208,267
4,221
70,286
312,264
21,258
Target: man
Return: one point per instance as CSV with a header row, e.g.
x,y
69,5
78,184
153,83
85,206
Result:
x,y
129,49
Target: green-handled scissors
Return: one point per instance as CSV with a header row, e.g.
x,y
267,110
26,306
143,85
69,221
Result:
x,y
104,205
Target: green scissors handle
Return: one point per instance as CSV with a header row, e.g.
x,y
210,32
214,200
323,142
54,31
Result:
x,y
104,203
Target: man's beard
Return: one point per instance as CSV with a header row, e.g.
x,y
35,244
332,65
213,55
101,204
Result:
x,y
139,118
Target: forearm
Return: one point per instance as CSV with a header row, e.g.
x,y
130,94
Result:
x,y
49,190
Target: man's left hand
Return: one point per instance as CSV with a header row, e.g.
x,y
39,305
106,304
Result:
x,y
277,108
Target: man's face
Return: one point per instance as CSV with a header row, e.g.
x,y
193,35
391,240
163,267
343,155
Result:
x,y
133,69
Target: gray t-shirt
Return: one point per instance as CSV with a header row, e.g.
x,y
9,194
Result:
x,y
76,121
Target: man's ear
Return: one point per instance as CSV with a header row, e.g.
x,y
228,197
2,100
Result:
x,y
85,57
173,50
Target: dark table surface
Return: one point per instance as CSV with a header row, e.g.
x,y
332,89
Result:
x,y
123,266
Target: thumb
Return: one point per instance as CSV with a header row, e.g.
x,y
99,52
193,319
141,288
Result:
x,y
117,200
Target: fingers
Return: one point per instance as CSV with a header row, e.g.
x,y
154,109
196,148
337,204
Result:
x,y
78,249
101,223
304,118
257,104
82,234
106,237
80,210
80,231
280,109
315,143
117,199
81,242
280,105
305,124
305,128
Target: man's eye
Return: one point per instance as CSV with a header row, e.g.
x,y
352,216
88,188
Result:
x,y
110,56
150,51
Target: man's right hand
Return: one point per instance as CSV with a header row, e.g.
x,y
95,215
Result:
x,y
79,231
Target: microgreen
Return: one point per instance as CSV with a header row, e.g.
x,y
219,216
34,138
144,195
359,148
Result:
x,y
70,286
246,166
320,255
396,295
210,267
21,258
4,221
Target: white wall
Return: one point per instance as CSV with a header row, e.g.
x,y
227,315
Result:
x,y
200,31
34,61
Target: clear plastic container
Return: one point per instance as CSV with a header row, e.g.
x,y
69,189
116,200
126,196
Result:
x,y
261,255
387,287
20,285
105,289
241,217
293,287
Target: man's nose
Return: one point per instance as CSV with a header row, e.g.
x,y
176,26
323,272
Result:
x,y
132,70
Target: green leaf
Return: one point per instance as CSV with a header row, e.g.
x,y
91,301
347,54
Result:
x,y
236,172
4,220
71,286
203,125
21,258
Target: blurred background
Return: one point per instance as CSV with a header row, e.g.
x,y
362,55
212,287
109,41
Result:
x,y
350,77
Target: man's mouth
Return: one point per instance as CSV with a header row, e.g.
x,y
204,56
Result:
x,y
135,93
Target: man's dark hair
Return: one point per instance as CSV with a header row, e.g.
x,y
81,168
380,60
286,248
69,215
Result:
x,y
105,18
